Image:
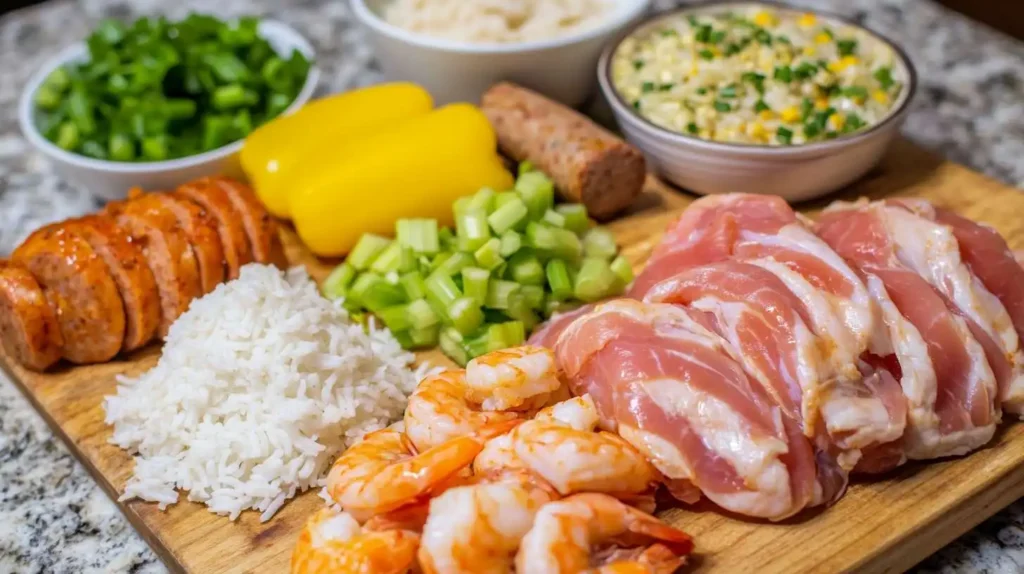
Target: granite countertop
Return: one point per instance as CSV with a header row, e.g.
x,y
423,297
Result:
x,y
53,517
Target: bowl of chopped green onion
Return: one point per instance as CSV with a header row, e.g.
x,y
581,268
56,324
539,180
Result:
x,y
155,103
758,97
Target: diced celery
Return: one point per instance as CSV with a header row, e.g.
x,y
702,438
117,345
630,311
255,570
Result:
x,y
404,339
374,293
465,315
511,241
442,290
508,216
488,255
558,280
520,310
552,217
525,166
456,263
478,344
552,306
525,268
599,242
534,296
622,269
537,192
359,287
499,293
419,235
460,205
366,250
421,315
507,334
336,284
483,199
472,229
474,283
450,341
505,197
395,257
412,282
424,338
575,214
595,281
395,318
553,241
446,238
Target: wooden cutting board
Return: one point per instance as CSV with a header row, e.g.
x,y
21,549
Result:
x,y
885,525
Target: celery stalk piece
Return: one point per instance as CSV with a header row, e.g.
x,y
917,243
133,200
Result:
x,y
551,306
595,281
511,241
520,310
421,315
404,339
412,282
552,217
478,344
622,269
336,284
499,293
372,292
537,192
474,283
515,333
507,216
395,257
553,241
466,315
575,216
472,229
450,341
455,263
558,280
525,268
396,318
483,199
424,338
599,242
505,197
366,250
488,255
442,290
419,235
534,296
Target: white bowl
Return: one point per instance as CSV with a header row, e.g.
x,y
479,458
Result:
x,y
796,173
111,180
561,68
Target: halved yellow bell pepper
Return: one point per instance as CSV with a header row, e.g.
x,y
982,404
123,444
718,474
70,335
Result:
x,y
415,169
271,153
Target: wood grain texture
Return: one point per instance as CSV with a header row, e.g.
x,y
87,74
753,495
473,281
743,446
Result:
x,y
885,525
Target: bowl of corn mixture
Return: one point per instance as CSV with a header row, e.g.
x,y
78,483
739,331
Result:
x,y
757,97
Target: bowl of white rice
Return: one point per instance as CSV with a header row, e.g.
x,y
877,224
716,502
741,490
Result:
x,y
757,97
457,49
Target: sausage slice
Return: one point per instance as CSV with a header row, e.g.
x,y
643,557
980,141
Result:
x,y
167,251
259,225
131,273
233,238
201,230
28,324
90,311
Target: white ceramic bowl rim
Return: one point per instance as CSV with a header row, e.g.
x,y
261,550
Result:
x,y
898,111
624,11
270,29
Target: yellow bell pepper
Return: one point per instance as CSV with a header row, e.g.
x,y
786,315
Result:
x,y
270,153
415,169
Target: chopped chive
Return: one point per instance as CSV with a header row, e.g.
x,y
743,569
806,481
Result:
x,y
782,39
884,77
853,123
638,64
811,130
763,37
668,32
806,109
847,47
761,106
805,70
647,87
703,33
665,87
636,104
723,106
783,74
702,91
784,135
716,37
692,128
728,91
855,92
706,54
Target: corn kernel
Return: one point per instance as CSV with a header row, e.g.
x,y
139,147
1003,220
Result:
x,y
822,38
880,97
767,115
790,114
756,130
843,63
807,20
821,104
837,121
810,51
765,19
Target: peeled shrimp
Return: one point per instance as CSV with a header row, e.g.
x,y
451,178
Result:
x,y
655,559
562,447
382,473
333,543
520,378
477,529
439,410
565,534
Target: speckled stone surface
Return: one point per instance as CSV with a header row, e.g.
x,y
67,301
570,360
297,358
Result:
x,y
53,517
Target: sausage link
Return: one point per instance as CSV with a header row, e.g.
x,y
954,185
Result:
x,y
127,264
28,324
233,237
259,225
89,308
588,164
201,230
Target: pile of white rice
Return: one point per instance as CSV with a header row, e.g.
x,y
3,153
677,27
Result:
x,y
497,21
261,384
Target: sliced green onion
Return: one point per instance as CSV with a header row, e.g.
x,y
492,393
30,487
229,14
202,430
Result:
x,y
466,315
336,284
558,279
366,250
474,283
499,294
472,229
508,216
488,255
595,281
419,235
599,242
511,241
575,216
421,315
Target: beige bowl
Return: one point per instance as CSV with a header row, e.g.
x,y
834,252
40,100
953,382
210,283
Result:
x,y
796,173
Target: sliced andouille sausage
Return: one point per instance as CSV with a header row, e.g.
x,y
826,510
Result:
x,y
28,324
233,238
201,230
78,284
127,264
168,254
588,164
259,225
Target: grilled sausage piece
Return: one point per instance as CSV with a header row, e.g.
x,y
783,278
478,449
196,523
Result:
x,y
201,230
90,311
131,273
587,163
167,251
28,324
233,238
259,225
